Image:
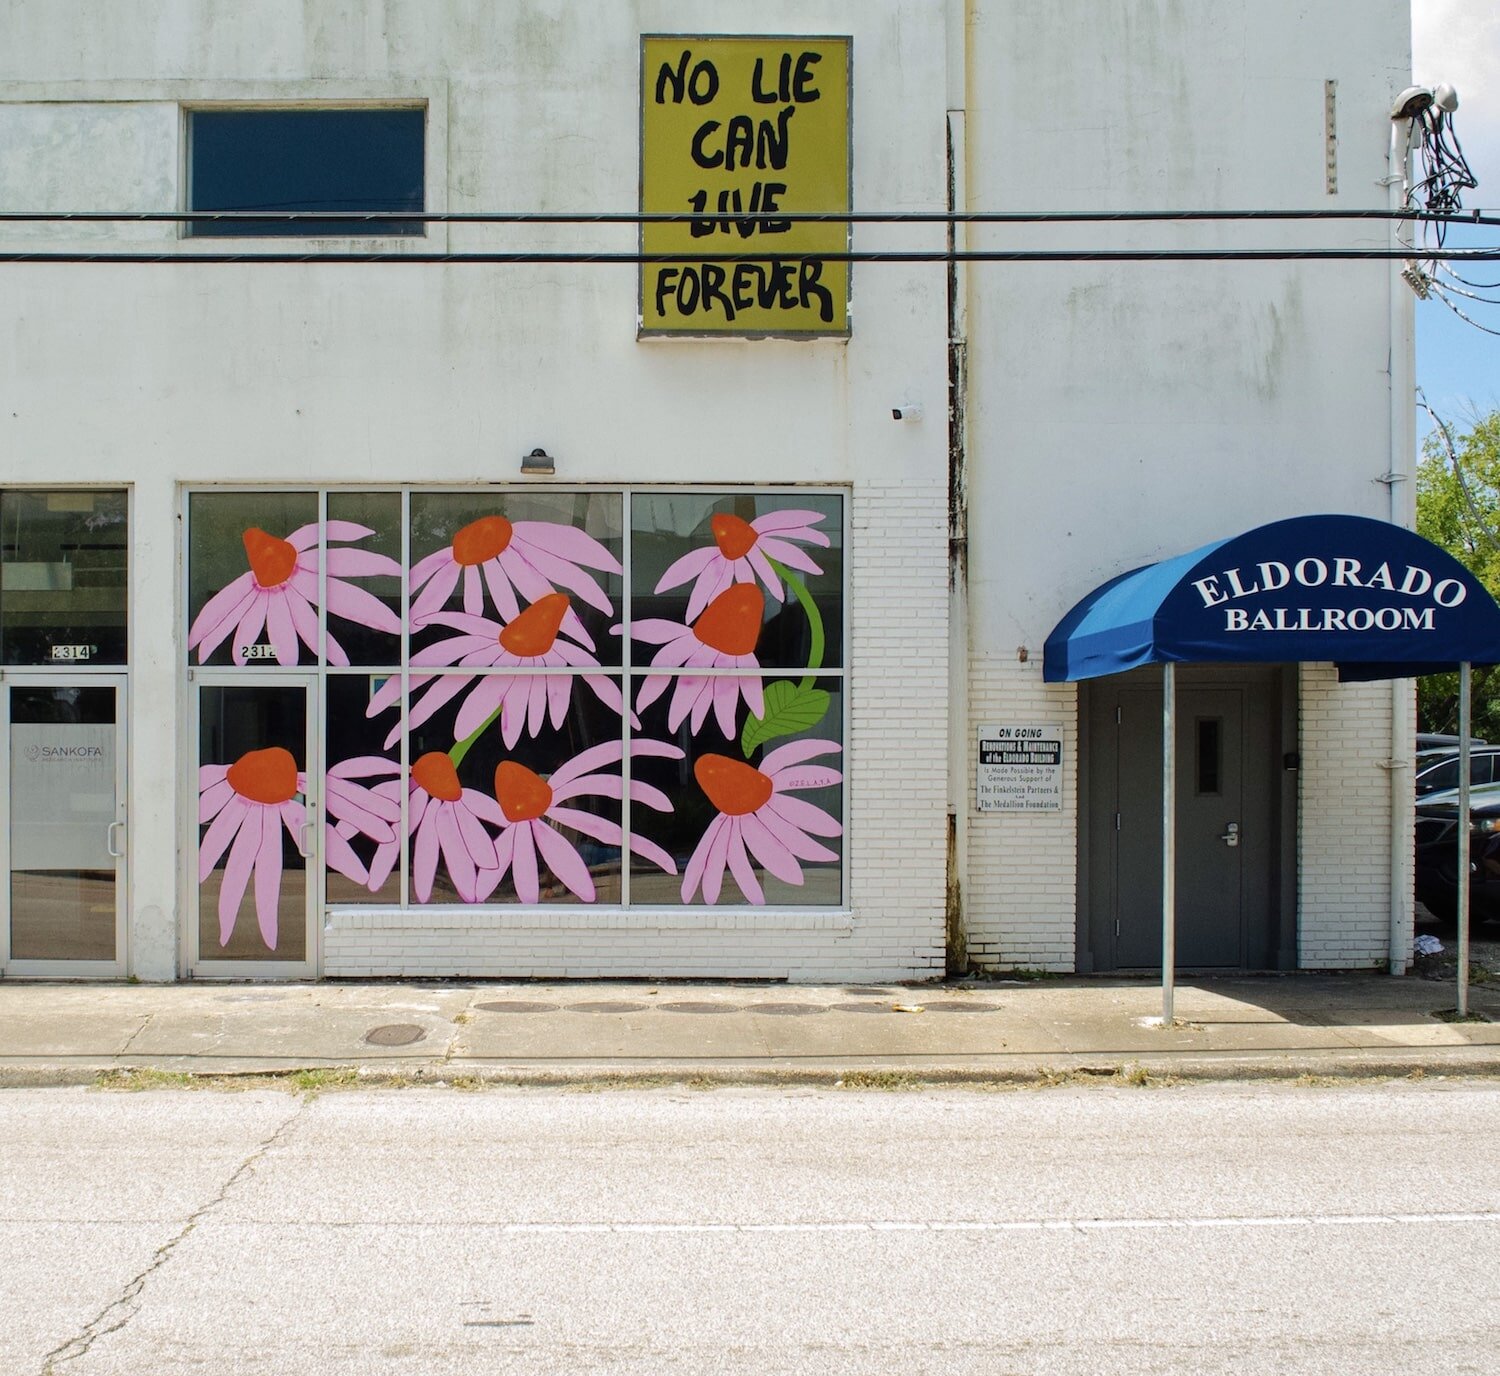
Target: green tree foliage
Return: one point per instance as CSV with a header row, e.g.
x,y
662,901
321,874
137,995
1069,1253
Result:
x,y
1458,507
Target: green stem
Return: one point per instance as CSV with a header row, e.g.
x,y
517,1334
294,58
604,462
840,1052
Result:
x,y
462,748
814,617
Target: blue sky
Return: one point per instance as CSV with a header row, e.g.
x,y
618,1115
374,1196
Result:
x,y
1458,41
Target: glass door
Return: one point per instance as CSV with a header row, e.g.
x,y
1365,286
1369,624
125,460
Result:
x,y
62,846
255,838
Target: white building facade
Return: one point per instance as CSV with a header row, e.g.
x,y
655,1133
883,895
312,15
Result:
x,y
558,618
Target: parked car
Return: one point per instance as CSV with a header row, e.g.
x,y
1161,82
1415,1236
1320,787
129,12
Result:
x,y
1434,740
1437,770
1437,853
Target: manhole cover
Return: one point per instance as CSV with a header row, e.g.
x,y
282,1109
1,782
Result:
x,y
704,1007
516,1006
785,1010
608,1006
962,1007
395,1034
860,1007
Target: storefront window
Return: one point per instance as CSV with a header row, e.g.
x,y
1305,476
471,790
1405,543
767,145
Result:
x,y
63,577
503,723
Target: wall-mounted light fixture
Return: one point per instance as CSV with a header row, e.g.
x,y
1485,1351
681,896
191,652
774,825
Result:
x,y
537,463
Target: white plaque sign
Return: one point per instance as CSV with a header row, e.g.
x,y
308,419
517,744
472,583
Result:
x,y
1020,769
62,787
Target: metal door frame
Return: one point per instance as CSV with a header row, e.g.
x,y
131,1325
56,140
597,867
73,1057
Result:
x,y
119,680
197,965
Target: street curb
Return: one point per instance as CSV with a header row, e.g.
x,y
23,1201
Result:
x,y
1041,1072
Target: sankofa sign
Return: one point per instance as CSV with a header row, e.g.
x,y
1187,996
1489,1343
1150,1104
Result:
x,y
747,127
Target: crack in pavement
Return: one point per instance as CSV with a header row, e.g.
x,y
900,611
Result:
x,y
130,1040
126,1305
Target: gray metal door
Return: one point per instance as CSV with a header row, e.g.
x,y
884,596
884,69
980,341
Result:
x,y
1225,822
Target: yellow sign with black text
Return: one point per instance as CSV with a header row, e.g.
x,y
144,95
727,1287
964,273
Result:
x,y
744,127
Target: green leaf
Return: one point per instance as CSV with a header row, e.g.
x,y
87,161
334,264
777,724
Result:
x,y
789,709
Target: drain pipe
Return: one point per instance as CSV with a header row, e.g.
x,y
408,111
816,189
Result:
x,y
1403,424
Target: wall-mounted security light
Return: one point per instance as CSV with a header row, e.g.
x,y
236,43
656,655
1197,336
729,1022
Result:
x,y
537,464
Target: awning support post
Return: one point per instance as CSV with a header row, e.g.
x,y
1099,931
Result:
x,y
1168,839
1462,876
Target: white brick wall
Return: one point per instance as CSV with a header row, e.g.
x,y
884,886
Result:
x,y
1021,905
896,770
1343,878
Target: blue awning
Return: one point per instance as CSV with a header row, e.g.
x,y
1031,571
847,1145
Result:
x,y
1374,598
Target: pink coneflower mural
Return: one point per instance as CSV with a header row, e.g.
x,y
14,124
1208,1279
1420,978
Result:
x,y
532,641
356,809
533,558
758,817
742,552
279,595
444,818
245,805
723,637
531,804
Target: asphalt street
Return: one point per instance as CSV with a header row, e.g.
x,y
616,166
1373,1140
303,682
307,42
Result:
x,y
1202,1229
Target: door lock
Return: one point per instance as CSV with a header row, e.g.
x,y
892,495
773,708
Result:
x,y
1231,835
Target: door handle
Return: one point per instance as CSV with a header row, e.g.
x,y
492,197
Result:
x,y
109,841
1231,835
303,832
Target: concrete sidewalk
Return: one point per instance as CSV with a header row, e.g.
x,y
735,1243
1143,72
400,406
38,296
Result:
x,y
523,1032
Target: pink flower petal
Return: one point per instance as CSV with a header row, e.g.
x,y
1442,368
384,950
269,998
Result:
x,y
456,857
523,864
361,563
649,795
473,591
649,850
754,693
789,555
505,848
268,881
210,774
304,537
364,767
425,856
363,608
381,866
527,581
599,828
689,566
501,592
485,807
694,871
564,861
213,799
607,690
429,564
685,697
513,714
450,650
477,841
744,875
280,630
804,815
585,762
710,584
565,575
240,864
651,688
785,521
304,618
469,625
340,857
251,624
536,705
655,631
217,838
795,753
591,786
717,859
702,706
567,541
726,700
221,612
767,574
435,595
769,851
488,694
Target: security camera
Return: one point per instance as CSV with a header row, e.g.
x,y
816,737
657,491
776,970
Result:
x,y
912,412
1411,102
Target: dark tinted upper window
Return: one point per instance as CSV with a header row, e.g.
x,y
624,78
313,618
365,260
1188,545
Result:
x,y
306,160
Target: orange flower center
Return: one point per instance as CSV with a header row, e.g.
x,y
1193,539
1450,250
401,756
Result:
x,y
522,795
735,788
435,773
271,560
481,540
265,776
532,633
734,537
730,623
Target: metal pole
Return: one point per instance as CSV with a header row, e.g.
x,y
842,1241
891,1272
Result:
x,y
1168,839
1463,839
